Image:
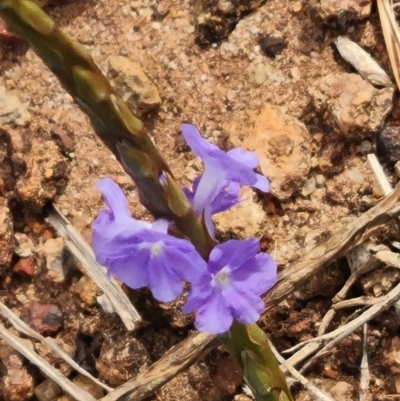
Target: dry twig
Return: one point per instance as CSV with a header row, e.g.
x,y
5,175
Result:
x,y
338,245
22,327
356,302
339,334
177,359
365,376
52,373
311,388
379,174
391,34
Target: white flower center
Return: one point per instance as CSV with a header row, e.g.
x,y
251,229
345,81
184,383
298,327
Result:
x,y
223,278
156,249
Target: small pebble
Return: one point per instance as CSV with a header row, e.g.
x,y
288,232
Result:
x,y
271,45
47,390
365,147
389,144
25,267
24,245
397,169
355,175
62,139
43,318
320,181
309,187
297,7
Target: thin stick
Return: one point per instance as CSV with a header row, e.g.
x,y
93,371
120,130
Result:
x,y
365,376
340,243
176,360
339,334
383,303
379,174
22,327
356,302
391,35
311,388
52,373
84,254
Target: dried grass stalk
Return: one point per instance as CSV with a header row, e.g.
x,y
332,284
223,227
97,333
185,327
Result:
x,y
391,33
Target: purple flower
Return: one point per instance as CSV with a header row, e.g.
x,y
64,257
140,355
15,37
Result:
x,y
226,198
141,254
231,286
217,189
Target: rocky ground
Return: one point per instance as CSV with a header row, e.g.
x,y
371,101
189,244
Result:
x,y
277,85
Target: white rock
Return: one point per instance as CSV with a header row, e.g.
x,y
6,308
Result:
x,y
362,61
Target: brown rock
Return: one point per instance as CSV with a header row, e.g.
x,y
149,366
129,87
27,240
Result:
x,y
47,174
21,140
138,90
389,144
17,383
120,359
272,45
6,237
58,263
62,139
343,10
391,354
86,384
44,318
350,105
7,182
283,146
18,166
216,19
47,390
228,377
12,111
195,384
380,281
246,219
348,188
87,291
331,160
25,267
343,391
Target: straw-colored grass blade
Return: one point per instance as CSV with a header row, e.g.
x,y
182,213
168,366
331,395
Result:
x,y
391,33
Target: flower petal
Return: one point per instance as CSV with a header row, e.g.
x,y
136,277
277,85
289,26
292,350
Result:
x,y
262,183
214,317
200,146
199,293
233,253
131,269
164,284
250,159
114,198
208,186
245,306
226,197
260,274
187,264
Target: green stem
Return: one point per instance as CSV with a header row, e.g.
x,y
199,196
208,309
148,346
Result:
x,y
118,128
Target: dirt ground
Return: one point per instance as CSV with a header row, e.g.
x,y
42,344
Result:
x,y
231,89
